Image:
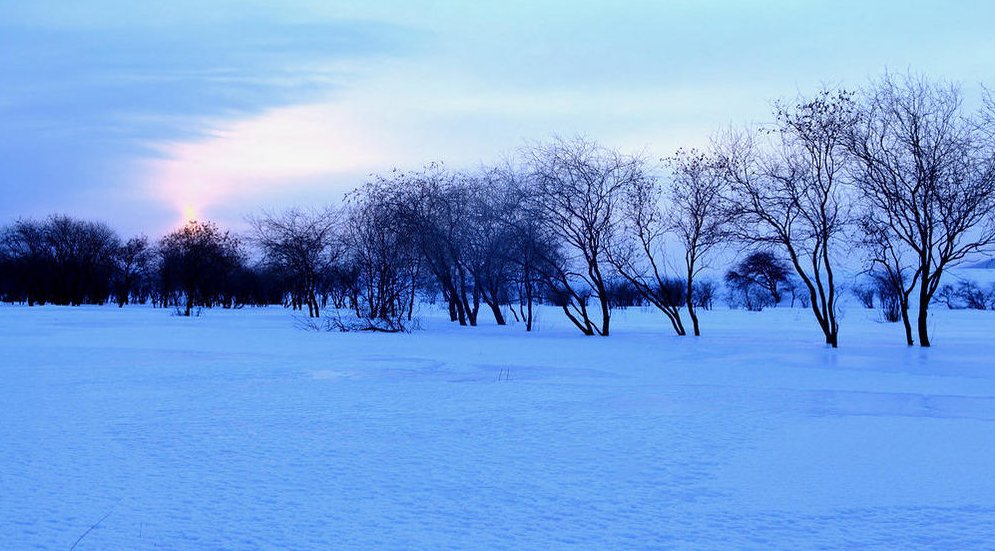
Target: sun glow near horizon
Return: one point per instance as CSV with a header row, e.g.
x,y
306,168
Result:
x,y
190,214
257,157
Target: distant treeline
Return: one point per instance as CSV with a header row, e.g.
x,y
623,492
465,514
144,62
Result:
x,y
897,176
66,261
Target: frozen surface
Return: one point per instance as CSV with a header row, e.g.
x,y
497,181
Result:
x,y
237,431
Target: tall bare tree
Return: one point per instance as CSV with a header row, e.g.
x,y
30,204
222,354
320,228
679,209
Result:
x,y
197,262
698,216
493,198
535,258
578,185
384,259
927,178
433,206
790,190
533,251
302,243
637,252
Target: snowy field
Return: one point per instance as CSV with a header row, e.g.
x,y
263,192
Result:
x,y
236,430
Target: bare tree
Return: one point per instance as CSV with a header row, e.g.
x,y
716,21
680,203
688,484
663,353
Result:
x,y
133,265
384,259
534,257
792,192
927,179
636,249
578,185
494,199
698,216
26,262
532,250
82,253
433,207
304,244
197,263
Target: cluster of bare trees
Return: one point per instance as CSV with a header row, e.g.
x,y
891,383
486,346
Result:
x,y
63,260
899,174
201,265
926,179
569,223
899,168
899,171
67,261
302,245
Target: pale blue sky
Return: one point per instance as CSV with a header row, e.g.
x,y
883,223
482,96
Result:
x,y
141,113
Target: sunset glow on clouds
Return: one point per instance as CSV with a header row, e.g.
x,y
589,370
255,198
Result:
x,y
330,147
256,157
148,114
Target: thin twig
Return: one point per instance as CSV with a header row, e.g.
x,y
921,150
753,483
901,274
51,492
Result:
x,y
90,529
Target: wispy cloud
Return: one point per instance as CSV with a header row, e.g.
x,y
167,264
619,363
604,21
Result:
x,y
328,147
84,93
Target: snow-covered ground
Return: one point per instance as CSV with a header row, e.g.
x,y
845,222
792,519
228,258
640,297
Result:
x,y
236,430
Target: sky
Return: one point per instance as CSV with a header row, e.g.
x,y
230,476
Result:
x,y
146,114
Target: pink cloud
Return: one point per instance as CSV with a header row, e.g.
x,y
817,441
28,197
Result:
x,y
253,158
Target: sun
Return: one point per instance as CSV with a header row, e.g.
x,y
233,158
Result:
x,y
189,213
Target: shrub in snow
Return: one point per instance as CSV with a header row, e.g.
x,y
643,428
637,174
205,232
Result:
x,y
757,281
966,295
865,294
889,298
703,294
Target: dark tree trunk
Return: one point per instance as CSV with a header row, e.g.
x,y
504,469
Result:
x,y
599,286
498,315
690,302
585,326
907,323
452,309
922,327
832,338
